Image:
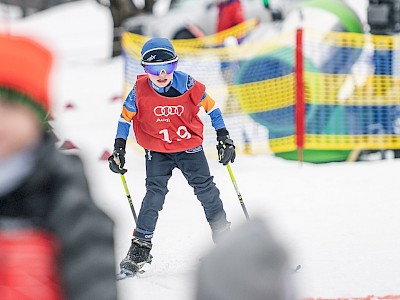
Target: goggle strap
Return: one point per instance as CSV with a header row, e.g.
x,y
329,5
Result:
x,y
160,62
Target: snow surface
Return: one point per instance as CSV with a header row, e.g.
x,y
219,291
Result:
x,y
340,221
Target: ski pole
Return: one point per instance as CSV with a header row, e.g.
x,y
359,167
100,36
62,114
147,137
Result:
x,y
228,166
128,195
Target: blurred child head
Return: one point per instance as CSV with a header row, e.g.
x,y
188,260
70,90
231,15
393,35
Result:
x,y
250,263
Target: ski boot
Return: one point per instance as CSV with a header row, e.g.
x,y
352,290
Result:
x,y
138,255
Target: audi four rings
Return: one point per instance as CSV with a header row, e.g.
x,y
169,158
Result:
x,y
168,110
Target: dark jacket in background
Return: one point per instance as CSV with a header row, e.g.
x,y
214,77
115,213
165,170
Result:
x,y
56,198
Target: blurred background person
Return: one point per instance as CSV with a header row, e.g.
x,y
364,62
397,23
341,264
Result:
x,y
55,243
230,13
249,263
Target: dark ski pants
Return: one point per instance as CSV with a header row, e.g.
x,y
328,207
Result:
x,y
194,167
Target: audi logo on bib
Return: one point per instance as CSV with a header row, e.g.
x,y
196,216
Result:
x,y
166,111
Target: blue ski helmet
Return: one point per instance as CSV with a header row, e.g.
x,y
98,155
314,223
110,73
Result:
x,y
158,50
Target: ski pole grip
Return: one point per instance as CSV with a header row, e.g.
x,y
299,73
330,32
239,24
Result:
x,y
118,162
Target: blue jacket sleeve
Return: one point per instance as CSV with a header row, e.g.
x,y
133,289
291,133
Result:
x,y
129,109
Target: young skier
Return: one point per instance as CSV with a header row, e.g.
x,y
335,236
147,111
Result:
x,y
163,106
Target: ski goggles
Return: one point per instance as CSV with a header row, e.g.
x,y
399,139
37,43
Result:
x,y
157,68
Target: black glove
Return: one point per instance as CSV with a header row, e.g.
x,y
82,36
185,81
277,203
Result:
x,y
225,147
276,14
117,159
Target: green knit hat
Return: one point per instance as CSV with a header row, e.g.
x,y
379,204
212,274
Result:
x,y
9,95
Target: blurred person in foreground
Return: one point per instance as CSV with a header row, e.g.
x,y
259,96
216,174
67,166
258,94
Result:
x,y
163,106
54,242
249,263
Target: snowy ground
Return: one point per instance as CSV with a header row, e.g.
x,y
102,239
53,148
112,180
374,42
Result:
x,y
340,221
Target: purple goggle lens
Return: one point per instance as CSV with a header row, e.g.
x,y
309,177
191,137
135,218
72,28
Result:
x,y
155,69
